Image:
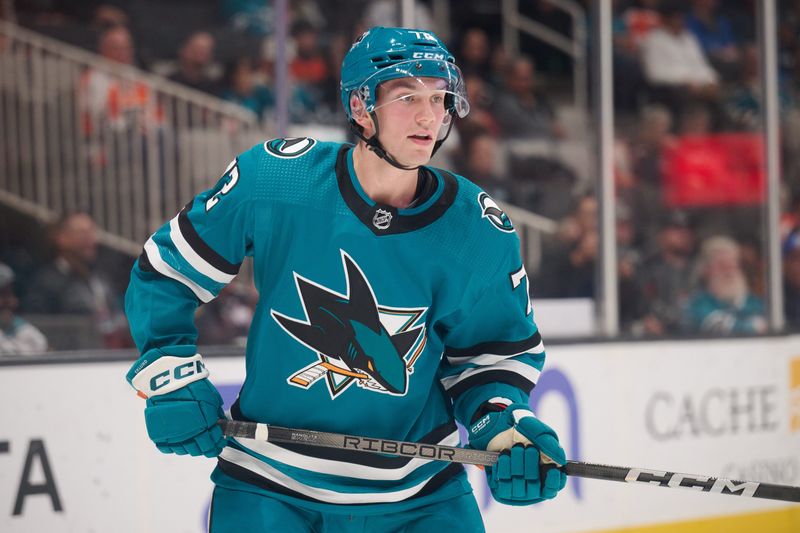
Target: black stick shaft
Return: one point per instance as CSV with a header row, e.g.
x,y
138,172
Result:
x,y
436,452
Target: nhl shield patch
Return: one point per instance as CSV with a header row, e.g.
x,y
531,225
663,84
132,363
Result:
x,y
382,219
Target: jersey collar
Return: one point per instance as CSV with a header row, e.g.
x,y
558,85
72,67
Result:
x,y
384,219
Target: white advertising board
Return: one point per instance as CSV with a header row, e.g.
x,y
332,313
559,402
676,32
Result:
x,y
75,457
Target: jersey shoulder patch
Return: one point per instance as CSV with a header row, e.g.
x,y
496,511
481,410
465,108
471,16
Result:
x,y
492,212
289,147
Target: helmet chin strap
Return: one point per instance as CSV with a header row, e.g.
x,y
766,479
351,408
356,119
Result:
x,y
374,145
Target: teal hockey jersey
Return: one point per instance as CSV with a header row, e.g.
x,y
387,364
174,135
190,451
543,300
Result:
x,y
372,320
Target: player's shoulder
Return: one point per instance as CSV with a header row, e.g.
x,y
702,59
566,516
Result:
x,y
288,153
479,211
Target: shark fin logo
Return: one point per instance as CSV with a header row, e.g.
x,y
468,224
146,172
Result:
x,y
356,340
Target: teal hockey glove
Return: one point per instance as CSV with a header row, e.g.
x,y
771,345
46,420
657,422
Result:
x,y
183,406
522,475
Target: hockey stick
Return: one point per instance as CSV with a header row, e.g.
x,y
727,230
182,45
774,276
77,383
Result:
x,y
437,452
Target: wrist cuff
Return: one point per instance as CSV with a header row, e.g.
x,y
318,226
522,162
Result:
x,y
168,373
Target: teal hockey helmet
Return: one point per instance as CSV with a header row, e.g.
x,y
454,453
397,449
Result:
x,y
383,54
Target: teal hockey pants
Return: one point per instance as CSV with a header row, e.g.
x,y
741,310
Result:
x,y
234,511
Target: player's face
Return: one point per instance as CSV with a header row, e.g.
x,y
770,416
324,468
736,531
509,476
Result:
x,y
410,114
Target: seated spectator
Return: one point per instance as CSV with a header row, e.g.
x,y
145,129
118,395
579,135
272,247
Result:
x,y
239,86
647,143
194,61
674,63
120,102
742,102
480,163
252,16
715,35
665,279
791,279
481,97
69,284
520,110
309,65
474,59
568,266
724,304
631,25
17,336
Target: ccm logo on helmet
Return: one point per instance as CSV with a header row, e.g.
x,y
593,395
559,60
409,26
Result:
x,y
180,372
427,55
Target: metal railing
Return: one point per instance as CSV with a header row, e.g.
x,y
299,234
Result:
x,y
575,47
79,133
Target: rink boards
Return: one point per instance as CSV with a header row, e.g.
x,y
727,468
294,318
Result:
x,y
74,455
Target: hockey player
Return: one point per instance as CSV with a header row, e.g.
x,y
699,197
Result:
x,y
393,303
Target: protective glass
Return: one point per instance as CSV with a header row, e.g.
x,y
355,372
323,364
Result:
x,y
434,79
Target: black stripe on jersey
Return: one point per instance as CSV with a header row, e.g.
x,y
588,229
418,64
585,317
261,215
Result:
x,y
200,247
495,348
360,458
145,265
399,223
242,474
491,376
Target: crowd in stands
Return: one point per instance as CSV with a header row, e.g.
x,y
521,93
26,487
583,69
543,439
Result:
x,y
689,164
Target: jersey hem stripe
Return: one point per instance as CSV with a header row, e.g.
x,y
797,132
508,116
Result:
x,y
247,475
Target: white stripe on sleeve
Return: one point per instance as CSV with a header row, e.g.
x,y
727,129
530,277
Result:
x,y
194,259
154,256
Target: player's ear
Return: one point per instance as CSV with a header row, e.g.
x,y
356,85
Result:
x,y
360,115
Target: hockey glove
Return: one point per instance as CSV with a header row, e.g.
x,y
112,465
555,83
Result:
x,y
527,470
183,406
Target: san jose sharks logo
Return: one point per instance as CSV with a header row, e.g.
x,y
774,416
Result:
x,y
491,211
356,339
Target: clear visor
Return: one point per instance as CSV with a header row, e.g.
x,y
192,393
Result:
x,y
432,82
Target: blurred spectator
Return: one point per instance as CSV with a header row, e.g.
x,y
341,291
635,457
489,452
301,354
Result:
x,y
628,265
474,59
106,16
665,279
118,101
569,271
309,64
195,59
480,165
725,303
715,35
481,97
631,25
791,279
240,87
226,320
648,140
17,336
251,16
520,110
742,102
674,63
69,285
309,67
